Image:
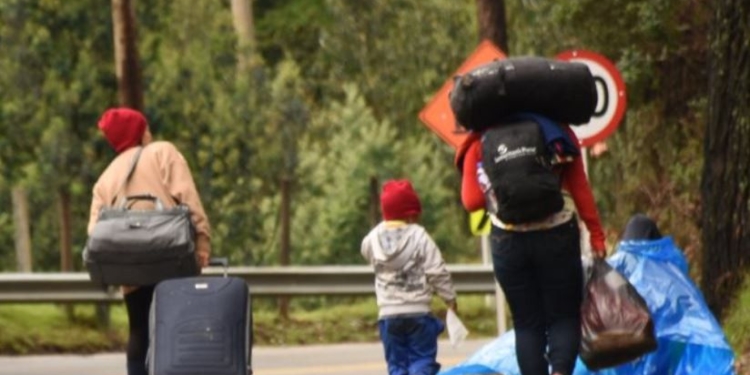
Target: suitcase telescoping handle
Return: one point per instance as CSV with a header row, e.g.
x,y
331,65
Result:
x,y
220,262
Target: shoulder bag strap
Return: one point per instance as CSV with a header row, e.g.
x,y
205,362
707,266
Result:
x,y
133,163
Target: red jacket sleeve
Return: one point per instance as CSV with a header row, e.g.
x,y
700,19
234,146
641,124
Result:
x,y
576,182
471,194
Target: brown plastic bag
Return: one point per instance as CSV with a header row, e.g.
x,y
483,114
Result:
x,y
616,325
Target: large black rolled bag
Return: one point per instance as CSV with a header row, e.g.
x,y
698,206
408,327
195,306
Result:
x,y
562,91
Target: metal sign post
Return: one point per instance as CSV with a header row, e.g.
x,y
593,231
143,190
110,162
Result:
x,y
585,235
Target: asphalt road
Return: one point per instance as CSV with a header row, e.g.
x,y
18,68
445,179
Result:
x,y
342,359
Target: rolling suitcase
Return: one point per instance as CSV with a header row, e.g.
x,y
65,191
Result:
x,y
201,326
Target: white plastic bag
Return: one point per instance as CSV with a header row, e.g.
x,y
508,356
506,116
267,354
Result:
x,y
457,332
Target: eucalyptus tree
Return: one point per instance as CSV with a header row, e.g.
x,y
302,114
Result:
x,y
493,25
58,82
726,175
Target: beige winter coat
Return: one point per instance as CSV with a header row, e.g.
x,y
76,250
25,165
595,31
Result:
x,y
161,171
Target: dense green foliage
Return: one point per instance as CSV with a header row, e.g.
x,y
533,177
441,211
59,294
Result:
x,y
331,113
332,104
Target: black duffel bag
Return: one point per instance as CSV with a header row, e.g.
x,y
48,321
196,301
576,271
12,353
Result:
x,y
562,91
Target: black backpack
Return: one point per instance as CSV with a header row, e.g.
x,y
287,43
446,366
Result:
x,y
518,166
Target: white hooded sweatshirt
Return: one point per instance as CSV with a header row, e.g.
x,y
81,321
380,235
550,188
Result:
x,y
408,268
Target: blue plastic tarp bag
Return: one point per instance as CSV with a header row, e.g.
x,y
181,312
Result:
x,y
497,357
690,340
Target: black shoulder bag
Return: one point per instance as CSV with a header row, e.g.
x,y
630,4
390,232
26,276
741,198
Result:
x,y
140,247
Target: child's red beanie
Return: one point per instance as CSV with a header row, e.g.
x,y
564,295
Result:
x,y
123,128
399,200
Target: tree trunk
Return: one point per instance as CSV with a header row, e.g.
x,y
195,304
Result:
x,y
66,254
492,25
127,66
286,230
129,85
286,195
64,218
22,232
374,202
242,17
725,189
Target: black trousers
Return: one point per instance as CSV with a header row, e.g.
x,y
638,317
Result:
x,y
138,304
541,274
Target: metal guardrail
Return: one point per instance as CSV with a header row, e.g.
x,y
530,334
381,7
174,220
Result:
x,y
263,281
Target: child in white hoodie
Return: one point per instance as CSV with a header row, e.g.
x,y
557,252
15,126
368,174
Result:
x,y
409,269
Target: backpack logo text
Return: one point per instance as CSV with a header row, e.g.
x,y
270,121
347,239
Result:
x,y
505,155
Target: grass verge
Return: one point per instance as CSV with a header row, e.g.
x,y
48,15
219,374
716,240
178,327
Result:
x,y
37,328
47,328
737,328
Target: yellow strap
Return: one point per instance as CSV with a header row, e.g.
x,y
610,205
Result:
x,y
394,223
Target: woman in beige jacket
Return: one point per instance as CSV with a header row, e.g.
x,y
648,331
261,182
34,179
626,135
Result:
x,y
163,172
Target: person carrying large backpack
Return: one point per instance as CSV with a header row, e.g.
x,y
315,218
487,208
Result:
x,y
517,170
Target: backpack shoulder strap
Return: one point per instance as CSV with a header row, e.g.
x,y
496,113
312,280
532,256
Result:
x,y
133,163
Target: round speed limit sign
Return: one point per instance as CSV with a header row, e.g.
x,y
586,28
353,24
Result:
x,y
610,90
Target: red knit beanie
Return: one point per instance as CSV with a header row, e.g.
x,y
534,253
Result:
x,y
399,200
123,128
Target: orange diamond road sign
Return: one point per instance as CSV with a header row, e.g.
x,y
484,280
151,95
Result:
x,y
437,114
